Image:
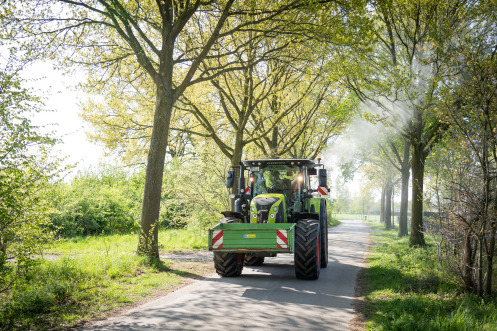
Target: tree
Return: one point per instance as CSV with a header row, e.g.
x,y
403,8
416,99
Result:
x,y
25,172
402,164
467,166
402,76
166,40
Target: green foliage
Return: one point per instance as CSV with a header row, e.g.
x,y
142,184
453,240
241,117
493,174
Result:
x,y
108,199
100,201
25,172
407,290
194,191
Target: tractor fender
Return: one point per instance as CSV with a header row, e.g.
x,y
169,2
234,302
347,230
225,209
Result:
x,y
233,214
305,215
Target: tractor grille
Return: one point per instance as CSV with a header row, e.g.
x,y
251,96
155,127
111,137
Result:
x,y
263,205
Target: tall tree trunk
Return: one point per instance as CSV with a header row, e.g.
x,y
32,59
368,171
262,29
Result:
x,y
273,149
404,196
388,203
404,203
490,258
480,266
469,284
148,243
418,167
382,205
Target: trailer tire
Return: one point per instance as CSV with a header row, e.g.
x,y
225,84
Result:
x,y
228,264
323,222
253,260
307,249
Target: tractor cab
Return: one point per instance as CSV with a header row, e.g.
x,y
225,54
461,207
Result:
x,y
277,189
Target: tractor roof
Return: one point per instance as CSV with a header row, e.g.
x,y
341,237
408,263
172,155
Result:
x,y
266,162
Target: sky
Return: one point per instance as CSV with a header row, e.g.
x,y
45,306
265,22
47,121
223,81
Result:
x,y
60,96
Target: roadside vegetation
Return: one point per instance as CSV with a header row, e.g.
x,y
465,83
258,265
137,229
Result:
x,y
408,289
85,278
89,267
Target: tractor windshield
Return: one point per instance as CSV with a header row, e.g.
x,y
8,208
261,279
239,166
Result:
x,y
276,179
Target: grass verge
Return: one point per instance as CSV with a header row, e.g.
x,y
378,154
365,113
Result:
x,y
87,278
407,290
333,221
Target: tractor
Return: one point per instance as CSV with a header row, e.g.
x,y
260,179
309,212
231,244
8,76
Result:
x,y
282,209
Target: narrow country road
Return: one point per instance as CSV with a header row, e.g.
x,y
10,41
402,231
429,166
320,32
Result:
x,y
262,298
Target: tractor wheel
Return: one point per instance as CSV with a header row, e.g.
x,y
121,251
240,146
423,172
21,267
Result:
x,y
253,260
323,222
228,264
230,220
307,249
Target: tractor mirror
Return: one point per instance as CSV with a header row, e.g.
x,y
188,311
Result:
x,y
230,180
312,172
322,177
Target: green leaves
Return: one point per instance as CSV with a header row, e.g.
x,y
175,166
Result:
x,y
25,171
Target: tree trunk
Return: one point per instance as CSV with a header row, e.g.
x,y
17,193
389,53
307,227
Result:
x,y
148,243
404,196
469,284
273,149
490,258
388,204
418,167
404,203
382,206
480,266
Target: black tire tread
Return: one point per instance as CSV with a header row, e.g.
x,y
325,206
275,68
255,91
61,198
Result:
x,y
306,255
226,264
323,222
252,260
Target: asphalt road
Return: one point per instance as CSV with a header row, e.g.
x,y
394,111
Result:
x,y
268,297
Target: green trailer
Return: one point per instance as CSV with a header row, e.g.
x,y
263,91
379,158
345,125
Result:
x,y
279,211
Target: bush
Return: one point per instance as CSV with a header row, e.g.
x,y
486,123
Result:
x,y
97,202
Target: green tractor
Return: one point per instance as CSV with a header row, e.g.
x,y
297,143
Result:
x,y
281,210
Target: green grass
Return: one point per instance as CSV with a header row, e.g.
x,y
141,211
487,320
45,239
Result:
x,y
83,278
333,221
173,239
407,290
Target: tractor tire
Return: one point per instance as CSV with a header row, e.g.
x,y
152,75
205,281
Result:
x,y
253,260
323,224
228,264
307,249
230,220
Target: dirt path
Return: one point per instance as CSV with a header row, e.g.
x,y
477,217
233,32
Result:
x,y
263,298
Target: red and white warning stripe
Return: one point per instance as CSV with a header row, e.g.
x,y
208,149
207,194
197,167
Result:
x,y
247,190
323,190
281,238
217,239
